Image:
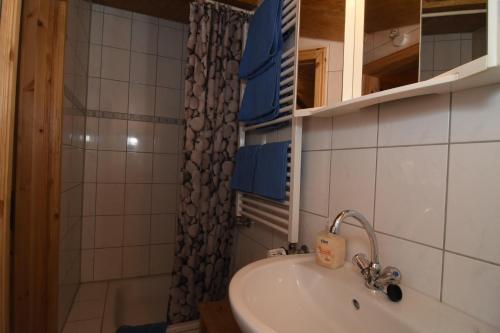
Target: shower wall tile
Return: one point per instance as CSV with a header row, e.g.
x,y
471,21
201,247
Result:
x,y
132,162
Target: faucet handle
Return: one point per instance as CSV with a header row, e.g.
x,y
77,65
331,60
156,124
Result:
x,y
389,275
361,261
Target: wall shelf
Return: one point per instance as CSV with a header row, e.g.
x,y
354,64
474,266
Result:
x,y
466,78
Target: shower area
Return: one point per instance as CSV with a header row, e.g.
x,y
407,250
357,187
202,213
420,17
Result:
x,y
122,122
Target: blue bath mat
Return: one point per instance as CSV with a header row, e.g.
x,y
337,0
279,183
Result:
x,y
149,328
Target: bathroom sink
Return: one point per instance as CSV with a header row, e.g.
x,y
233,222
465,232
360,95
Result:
x,y
293,294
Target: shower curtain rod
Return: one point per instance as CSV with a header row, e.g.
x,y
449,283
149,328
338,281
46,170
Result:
x,y
217,4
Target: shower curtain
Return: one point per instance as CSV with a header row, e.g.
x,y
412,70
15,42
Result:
x,y
206,216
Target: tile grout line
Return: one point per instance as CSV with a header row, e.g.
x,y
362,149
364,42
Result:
x,y
446,198
376,169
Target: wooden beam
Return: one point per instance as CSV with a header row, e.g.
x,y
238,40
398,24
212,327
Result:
x,y
37,166
174,10
394,63
431,6
9,44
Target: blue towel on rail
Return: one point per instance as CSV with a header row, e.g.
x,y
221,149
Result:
x,y
264,39
271,170
246,158
261,98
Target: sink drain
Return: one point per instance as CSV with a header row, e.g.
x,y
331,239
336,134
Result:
x,y
355,303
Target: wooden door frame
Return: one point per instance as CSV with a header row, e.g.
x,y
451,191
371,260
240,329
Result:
x,y
318,55
9,47
37,165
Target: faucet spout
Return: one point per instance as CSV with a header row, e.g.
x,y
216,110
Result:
x,y
374,256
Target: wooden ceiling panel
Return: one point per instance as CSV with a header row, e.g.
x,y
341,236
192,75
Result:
x,y
387,14
322,19
174,10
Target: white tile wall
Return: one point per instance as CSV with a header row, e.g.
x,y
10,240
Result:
x,y
433,200
132,169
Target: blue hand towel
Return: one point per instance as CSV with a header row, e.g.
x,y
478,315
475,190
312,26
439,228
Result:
x,y
243,175
261,98
264,39
271,170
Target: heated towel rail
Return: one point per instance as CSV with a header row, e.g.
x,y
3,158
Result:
x,y
282,216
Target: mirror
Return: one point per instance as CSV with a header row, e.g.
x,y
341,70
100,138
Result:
x,y
415,40
453,33
321,52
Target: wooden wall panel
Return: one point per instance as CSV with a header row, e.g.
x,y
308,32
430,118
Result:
x,y
9,42
37,170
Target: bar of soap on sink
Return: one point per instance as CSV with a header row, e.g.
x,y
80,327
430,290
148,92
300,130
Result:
x,y
330,250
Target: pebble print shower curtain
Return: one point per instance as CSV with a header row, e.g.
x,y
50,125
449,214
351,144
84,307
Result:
x,y
206,210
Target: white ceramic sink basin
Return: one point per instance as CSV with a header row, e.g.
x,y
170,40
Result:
x,y
293,294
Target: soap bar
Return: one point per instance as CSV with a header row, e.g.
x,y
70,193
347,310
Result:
x,y
330,250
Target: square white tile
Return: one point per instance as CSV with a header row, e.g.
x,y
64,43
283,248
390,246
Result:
x,y
112,134
111,167
142,99
143,68
88,232
139,167
117,12
135,261
161,258
317,134
446,55
420,265
87,266
92,291
89,196
110,199
309,227
472,226
353,181
108,264
138,199
86,310
473,287
410,192
115,64
474,115
418,120
96,27
91,133
169,73
108,231
315,181
170,42
140,136
93,93
165,168
164,198
137,230
166,138
116,31
95,60
114,96
144,37
90,166
163,228
144,18
356,130
168,102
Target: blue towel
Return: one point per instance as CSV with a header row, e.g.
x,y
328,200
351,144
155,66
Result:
x,y
243,175
264,39
150,328
261,98
271,170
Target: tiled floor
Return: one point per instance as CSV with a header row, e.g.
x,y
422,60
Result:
x,y
101,307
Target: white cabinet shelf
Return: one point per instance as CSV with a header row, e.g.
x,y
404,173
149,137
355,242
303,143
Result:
x,y
448,82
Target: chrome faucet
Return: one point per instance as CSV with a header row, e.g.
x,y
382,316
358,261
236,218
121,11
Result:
x,y
375,277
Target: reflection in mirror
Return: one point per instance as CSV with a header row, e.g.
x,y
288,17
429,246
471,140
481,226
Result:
x,y
321,52
453,33
391,45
